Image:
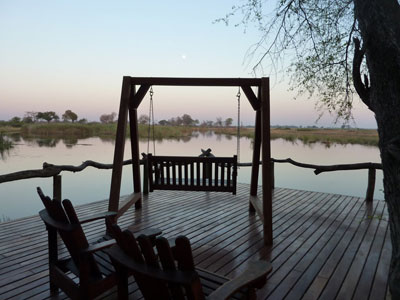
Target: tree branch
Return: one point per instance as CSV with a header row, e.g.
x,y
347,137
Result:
x,y
49,172
320,169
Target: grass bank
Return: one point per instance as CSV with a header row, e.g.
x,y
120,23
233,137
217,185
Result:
x,y
327,136
100,130
9,129
306,135
69,129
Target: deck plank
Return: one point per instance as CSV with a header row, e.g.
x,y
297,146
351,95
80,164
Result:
x,y
325,245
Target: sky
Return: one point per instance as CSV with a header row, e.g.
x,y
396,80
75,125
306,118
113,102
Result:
x,y
60,55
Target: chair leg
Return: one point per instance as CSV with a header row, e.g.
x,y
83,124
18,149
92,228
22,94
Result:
x,y
122,280
53,256
53,289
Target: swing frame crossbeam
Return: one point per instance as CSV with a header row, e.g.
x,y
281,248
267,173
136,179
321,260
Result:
x,y
134,89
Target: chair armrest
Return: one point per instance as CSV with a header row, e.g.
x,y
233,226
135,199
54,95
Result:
x,y
98,246
152,233
98,216
256,271
57,225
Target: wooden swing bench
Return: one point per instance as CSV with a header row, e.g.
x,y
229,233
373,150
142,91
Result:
x,y
188,173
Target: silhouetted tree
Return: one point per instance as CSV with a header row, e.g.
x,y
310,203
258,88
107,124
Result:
x,y
30,117
15,122
143,119
108,118
228,122
164,123
69,116
187,120
47,116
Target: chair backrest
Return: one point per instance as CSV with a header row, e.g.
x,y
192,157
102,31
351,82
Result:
x,y
63,218
167,274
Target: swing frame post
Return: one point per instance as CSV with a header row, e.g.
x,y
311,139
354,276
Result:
x,y
134,132
266,159
130,101
113,203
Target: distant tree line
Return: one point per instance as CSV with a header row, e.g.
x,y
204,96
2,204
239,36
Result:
x,y
69,116
45,116
187,120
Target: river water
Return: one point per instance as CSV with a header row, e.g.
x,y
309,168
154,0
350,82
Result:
x,y
19,198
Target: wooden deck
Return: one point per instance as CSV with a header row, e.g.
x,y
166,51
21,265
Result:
x,y
326,246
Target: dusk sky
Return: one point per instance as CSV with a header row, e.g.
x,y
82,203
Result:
x,y
59,55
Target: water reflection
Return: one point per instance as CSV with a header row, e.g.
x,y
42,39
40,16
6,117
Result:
x,y
4,153
15,137
5,146
46,142
70,142
108,139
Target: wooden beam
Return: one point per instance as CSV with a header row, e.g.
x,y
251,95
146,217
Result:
x,y
266,158
256,155
133,123
195,81
138,97
254,101
132,199
258,206
113,202
255,167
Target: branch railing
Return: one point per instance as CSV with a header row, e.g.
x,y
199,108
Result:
x,y
50,170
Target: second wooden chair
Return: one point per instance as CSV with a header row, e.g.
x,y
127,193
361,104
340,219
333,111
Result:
x,y
170,273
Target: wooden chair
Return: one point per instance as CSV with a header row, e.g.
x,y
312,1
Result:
x,y
170,273
94,277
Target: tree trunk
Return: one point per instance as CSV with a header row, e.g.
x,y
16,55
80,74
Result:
x,y
379,22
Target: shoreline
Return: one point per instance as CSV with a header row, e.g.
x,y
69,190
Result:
x,y
368,137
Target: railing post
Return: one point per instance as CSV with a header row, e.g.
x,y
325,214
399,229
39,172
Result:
x,y
371,185
57,187
272,175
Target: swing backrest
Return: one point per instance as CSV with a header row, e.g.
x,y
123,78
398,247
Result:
x,y
192,173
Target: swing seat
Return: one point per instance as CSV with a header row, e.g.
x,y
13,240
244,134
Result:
x,y
187,173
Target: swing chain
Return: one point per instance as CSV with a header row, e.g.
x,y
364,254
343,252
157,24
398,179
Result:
x,y
151,93
238,126
151,123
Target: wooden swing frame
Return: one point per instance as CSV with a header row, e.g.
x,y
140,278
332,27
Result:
x,y
134,89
